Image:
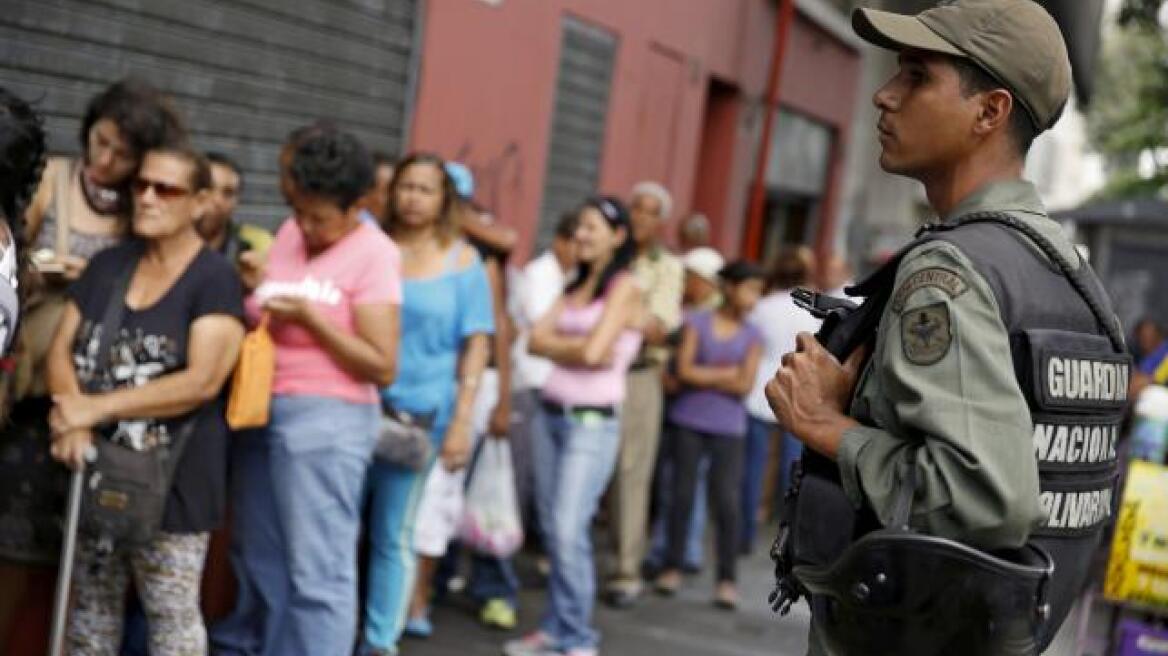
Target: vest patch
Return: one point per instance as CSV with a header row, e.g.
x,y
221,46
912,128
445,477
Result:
x,y
1074,511
1072,446
1086,379
944,279
925,333
1074,372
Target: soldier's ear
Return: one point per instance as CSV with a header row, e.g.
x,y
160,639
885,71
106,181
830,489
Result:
x,y
994,112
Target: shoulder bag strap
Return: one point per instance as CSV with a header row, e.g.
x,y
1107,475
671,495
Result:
x,y
451,263
115,308
63,205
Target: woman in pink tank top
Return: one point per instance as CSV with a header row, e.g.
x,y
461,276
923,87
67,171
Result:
x,y
591,335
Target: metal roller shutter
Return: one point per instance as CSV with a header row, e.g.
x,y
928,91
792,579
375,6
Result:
x,y
243,73
587,54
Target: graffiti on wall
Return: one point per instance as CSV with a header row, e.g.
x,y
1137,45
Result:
x,y
498,177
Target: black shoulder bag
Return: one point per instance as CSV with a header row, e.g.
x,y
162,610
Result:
x,y
125,490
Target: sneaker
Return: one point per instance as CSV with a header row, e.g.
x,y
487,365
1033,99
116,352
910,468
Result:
x,y
532,644
419,627
499,614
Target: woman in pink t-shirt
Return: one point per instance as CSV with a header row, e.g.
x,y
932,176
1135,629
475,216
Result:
x,y
332,288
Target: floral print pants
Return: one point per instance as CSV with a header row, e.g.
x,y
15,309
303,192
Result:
x,y
167,573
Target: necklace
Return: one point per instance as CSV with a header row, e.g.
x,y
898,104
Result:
x,y
103,200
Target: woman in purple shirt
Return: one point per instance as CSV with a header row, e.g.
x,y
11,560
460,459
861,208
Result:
x,y
716,363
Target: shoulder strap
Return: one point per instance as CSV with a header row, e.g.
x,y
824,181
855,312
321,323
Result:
x,y
451,263
63,205
115,308
1075,276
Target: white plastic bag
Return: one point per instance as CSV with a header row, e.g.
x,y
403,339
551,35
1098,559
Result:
x,y
490,521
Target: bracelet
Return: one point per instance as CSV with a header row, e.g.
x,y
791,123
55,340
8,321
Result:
x,y
470,382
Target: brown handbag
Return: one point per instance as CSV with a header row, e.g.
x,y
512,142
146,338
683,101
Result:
x,y
125,491
251,386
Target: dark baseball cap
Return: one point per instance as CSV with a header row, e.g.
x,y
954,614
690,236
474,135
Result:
x,y
1015,41
740,270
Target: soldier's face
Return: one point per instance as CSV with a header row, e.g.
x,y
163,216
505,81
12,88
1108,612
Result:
x,y
926,122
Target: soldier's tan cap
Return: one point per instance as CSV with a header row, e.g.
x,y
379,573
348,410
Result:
x,y
1015,41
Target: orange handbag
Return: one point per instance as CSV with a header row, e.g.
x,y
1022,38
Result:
x,y
251,386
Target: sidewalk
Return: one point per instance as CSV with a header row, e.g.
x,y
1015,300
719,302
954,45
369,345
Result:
x,y
688,625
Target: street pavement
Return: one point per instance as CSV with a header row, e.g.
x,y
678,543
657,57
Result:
x,y
687,625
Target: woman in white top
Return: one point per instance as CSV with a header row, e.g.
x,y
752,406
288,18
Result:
x,y
779,320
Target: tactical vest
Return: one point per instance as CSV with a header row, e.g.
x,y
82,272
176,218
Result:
x,y
1071,365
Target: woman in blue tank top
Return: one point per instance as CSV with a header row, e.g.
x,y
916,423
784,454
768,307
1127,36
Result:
x,y
446,318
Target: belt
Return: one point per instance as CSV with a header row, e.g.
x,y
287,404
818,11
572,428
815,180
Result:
x,y
552,407
643,362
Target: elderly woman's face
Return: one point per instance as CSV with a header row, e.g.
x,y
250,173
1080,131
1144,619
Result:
x,y
108,156
164,202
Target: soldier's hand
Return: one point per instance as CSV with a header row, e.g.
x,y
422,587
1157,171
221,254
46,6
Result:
x,y
810,392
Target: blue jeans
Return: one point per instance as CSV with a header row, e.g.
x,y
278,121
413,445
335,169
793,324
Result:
x,y
574,460
394,495
757,455
297,493
493,578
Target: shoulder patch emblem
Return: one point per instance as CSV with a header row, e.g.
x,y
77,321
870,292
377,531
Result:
x,y
925,333
944,279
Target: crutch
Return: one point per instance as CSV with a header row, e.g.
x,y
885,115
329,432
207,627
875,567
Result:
x,y
68,549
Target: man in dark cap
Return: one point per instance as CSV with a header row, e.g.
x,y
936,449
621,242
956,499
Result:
x,y
950,412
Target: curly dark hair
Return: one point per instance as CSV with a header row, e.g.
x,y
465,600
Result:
x,y
332,164
145,117
22,157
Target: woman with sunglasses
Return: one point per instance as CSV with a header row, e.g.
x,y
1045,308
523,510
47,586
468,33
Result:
x,y
331,290
447,318
591,335
159,378
80,207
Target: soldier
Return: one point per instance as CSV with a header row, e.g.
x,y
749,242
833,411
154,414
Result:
x,y
961,423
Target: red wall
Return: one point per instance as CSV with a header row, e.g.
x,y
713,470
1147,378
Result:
x,y
488,75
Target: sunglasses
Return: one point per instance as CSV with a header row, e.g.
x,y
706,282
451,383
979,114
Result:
x,y
162,190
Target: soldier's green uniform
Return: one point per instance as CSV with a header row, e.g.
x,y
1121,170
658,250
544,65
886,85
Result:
x,y
940,385
945,387
990,404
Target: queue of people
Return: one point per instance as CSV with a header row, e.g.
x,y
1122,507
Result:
x,y
623,377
